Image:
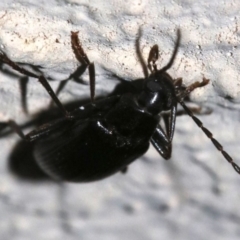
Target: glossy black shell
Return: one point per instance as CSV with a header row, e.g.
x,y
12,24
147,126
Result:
x,y
98,141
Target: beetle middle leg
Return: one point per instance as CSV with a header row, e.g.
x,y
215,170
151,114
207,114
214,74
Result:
x,y
83,59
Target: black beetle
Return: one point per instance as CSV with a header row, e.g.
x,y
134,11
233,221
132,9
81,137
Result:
x,y
105,136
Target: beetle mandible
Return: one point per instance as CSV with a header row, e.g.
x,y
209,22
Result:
x,y
105,136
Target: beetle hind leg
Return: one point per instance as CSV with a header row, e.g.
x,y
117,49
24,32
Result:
x,y
4,58
14,127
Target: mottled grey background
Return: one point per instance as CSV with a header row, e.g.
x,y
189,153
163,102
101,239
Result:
x,y
196,194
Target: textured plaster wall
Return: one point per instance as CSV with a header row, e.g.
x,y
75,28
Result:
x,y
196,194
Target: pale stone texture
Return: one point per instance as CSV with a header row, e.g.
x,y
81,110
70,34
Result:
x,y
195,195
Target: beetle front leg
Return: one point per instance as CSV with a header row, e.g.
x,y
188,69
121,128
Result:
x,y
161,143
185,91
170,123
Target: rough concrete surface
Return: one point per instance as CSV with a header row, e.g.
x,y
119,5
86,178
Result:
x,y
196,194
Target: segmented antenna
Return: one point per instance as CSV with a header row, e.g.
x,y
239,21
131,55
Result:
x,y
210,135
177,44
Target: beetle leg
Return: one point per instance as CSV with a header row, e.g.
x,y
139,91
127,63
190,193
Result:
x,y
83,59
75,76
190,88
170,125
23,88
85,63
41,79
91,70
16,128
161,142
46,85
6,60
196,110
177,82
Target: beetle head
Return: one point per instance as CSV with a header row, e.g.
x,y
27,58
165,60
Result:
x,y
158,93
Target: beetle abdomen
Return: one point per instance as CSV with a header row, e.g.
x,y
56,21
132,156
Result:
x,y
86,152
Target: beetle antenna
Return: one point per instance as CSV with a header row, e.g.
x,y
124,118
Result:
x,y
210,135
177,44
139,54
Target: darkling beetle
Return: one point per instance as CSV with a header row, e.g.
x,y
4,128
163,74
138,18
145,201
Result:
x,y
105,136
